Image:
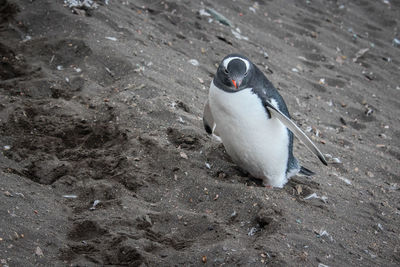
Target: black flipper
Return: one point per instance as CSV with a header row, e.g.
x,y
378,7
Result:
x,y
306,171
296,130
208,121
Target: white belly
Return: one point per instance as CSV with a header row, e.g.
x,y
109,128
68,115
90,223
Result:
x,y
255,142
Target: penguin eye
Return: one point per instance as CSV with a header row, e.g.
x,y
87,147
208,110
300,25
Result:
x,y
226,71
245,74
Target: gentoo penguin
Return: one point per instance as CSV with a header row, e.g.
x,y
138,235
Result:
x,y
249,115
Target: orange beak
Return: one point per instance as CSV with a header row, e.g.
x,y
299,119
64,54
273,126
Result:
x,y
236,84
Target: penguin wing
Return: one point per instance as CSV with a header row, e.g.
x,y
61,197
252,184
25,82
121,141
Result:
x,y
296,130
208,120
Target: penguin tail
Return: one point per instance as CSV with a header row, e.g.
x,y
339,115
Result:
x,y
305,171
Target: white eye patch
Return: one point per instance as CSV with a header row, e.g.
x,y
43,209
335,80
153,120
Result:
x,y
229,59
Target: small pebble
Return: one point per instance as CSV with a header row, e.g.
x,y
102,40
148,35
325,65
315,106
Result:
x,y
183,155
20,195
180,120
194,62
313,195
369,253
111,38
314,34
95,203
70,196
347,181
382,135
234,214
39,252
252,231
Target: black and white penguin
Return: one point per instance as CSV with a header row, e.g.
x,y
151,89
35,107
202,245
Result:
x,y
249,115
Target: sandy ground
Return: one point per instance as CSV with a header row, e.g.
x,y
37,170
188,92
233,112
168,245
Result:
x,y
105,161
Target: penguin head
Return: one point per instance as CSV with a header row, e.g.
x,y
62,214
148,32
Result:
x,y
234,73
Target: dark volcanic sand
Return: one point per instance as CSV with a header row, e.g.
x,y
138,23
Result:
x,y
119,121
